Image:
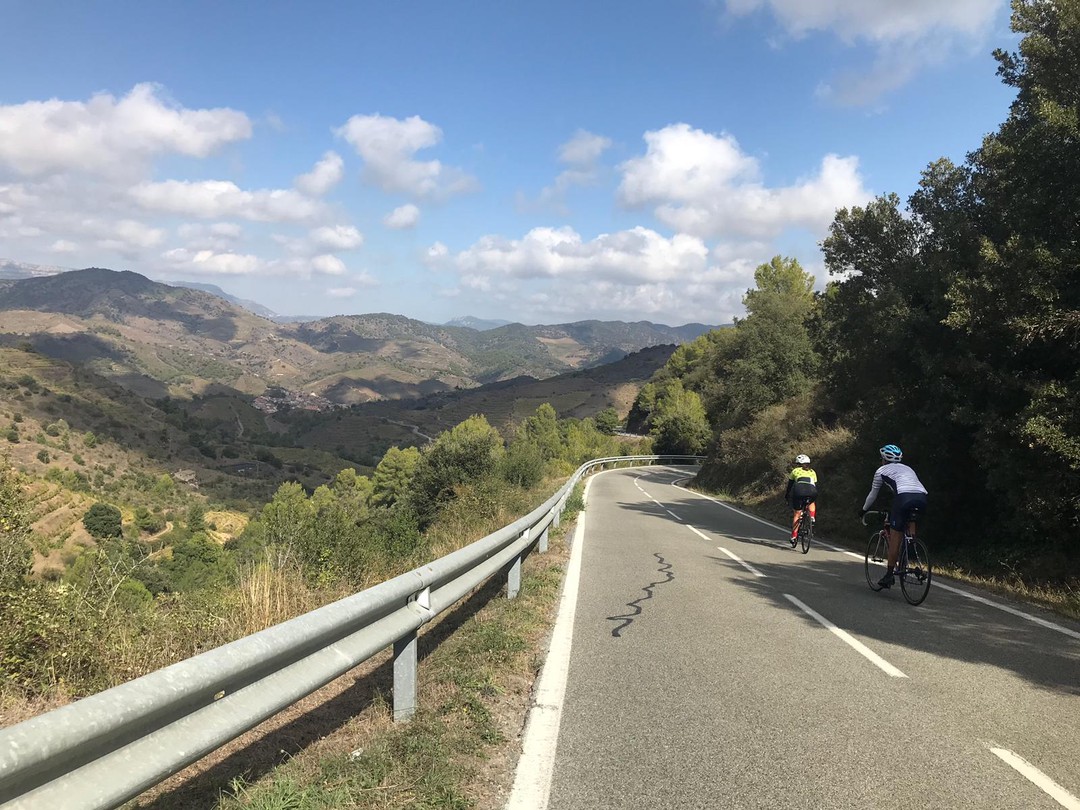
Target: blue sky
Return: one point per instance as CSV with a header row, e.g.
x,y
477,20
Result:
x,y
545,163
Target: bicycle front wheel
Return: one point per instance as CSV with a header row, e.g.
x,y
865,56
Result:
x,y
877,558
806,533
915,581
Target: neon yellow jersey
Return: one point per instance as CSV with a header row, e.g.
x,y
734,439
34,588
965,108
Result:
x,y
803,475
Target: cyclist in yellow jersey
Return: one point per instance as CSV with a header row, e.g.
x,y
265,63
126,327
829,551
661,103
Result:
x,y
801,487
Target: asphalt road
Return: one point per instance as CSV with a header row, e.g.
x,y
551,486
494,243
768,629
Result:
x,y
698,680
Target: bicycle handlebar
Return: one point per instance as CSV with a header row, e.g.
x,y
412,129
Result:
x,y
876,513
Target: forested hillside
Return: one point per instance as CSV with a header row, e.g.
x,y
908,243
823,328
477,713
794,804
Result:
x,y
950,326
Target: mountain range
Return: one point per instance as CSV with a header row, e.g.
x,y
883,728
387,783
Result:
x,y
161,340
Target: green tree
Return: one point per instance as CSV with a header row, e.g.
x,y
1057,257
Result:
x,y
607,421
196,518
681,426
542,430
772,355
394,476
287,519
103,521
464,454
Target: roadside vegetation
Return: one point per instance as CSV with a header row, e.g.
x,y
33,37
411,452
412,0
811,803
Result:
x,y
950,326
151,587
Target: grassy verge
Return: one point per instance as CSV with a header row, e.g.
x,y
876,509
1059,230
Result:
x,y
460,748
1061,597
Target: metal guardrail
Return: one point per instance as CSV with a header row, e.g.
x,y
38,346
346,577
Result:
x,y
110,747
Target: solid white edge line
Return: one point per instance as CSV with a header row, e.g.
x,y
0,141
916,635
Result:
x,y
536,767
847,638
1049,625
983,600
1038,778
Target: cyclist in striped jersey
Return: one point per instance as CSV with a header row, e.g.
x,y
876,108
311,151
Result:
x,y
908,494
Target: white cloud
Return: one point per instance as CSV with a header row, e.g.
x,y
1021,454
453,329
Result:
x,y
705,185
341,292
219,236
402,217
207,261
585,148
326,174
338,237
554,274
906,35
388,146
209,199
63,246
580,153
328,265
877,20
629,256
108,136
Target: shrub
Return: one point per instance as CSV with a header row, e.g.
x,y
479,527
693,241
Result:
x,y
102,521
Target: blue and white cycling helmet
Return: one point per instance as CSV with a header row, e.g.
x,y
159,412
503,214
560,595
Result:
x,y
890,453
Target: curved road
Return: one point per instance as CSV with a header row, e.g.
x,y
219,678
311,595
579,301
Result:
x,y
712,666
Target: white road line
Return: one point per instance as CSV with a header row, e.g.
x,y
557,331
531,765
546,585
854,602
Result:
x,y
672,514
983,600
733,509
847,638
937,582
743,563
532,780
1038,778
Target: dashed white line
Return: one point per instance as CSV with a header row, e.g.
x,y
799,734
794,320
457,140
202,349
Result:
x,y
847,638
1049,625
1038,778
743,563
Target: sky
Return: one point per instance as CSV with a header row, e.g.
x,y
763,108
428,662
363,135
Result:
x,y
542,162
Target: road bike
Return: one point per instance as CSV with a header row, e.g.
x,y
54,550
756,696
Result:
x,y
806,528
912,564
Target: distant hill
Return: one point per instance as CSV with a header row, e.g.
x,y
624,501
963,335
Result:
x,y
479,324
17,270
213,289
161,340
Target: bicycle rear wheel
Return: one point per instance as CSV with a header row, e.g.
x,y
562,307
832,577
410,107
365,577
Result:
x,y
915,581
806,532
877,558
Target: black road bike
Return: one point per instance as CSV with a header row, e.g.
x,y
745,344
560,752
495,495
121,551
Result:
x,y
912,564
806,528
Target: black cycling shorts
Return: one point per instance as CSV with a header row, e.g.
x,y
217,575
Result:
x,y
800,493
902,506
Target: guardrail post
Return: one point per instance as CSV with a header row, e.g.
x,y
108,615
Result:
x,y
405,677
542,543
513,577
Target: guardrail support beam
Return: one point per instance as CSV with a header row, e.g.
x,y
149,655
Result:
x,y
513,579
405,677
542,543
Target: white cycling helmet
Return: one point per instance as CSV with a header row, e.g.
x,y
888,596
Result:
x,y
891,452
802,458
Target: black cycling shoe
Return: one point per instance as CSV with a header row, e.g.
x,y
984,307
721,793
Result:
x,y
887,580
